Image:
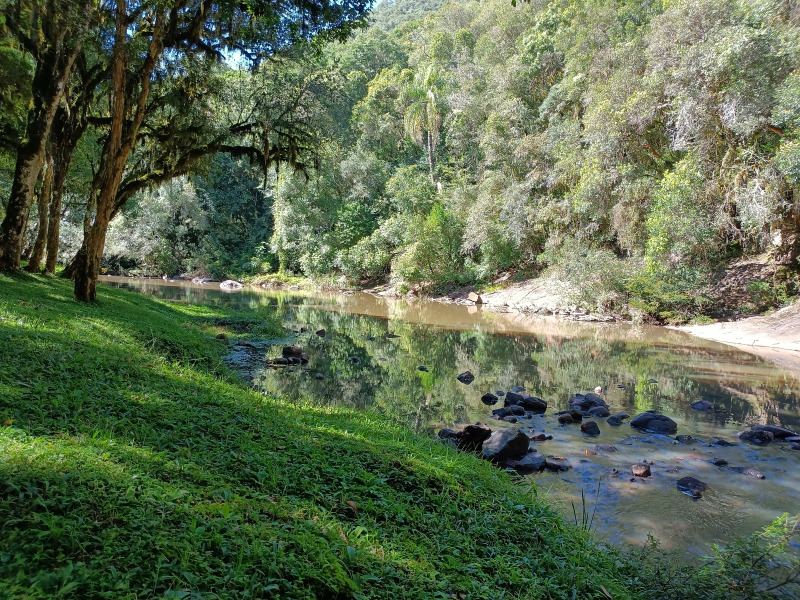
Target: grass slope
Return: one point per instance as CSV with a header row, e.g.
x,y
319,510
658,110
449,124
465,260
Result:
x,y
133,464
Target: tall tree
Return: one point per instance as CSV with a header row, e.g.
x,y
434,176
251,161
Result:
x,y
52,33
148,37
424,114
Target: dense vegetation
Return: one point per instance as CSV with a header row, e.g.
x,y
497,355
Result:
x,y
135,465
636,144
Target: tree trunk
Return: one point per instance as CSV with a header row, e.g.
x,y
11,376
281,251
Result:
x,y
44,205
122,136
49,82
430,156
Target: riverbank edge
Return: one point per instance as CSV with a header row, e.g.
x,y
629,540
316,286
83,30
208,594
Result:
x,y
774,336
379,511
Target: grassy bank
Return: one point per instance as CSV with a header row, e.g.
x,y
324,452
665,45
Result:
x,y
133,464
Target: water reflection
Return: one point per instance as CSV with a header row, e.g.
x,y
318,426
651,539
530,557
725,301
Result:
x,y
638,368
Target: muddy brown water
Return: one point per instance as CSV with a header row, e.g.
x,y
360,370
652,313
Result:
x,y
639,368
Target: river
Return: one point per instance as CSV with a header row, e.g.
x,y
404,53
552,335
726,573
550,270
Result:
x,y
639,368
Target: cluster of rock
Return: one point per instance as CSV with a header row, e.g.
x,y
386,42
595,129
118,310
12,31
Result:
x,y
291,355
509,447
761,435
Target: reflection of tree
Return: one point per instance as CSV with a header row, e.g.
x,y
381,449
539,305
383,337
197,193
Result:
x,y
550,367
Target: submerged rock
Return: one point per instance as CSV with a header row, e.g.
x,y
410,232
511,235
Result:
x,y
505,443
541,437
718,462
692,487
720,442
466,377
760,438
685,439
654,422
748,471
553,464
605,448
703,405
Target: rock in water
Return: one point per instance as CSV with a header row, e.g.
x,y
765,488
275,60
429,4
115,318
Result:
x,y
505,443
655,423
692,487
473,297
532,462
466,377
749,471
473,436
703,405
616,420
590,428
641,470
760,438
230,284
779,433
489,399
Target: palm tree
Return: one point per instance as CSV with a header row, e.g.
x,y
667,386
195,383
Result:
x,y
423,116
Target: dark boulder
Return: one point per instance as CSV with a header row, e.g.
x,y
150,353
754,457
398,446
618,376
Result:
x,y
616,420
555,465
321,332
795,439
590,428
422,368
466,377
508,411
760,438
510,419
586,401
512,398
505,443
641,470
779,433
692,487
489,399
718,462
685,439
532,462
541,437
794,446
703,405
473,436
533,404
655,423
599,411
292,351
565,418
721,443
748,471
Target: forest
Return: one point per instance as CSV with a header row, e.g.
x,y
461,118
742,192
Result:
x,y
634,147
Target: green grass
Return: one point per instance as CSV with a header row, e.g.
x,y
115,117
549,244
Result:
x,y
135,465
